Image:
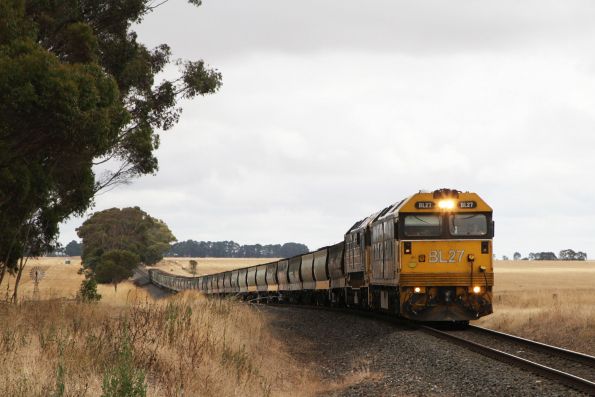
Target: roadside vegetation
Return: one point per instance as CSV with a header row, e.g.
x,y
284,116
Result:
x,y
183,345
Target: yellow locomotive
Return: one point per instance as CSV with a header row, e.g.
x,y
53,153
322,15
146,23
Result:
x,y
426,258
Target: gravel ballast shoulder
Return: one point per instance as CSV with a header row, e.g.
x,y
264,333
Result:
x,y
366,357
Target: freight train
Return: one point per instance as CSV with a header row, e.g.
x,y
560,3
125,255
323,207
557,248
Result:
x,y
427,258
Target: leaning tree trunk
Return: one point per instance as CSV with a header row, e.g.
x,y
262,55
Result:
x,y
23,262
5,264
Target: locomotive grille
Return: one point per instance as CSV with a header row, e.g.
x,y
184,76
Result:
x,y
452,279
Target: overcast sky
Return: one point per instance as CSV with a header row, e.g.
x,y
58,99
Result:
x,y
331,110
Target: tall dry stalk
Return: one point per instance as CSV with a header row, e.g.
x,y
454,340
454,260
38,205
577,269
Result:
x,y
185,345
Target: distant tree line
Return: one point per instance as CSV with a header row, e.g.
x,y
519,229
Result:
x,y
216,249
73,248
231,249
564,255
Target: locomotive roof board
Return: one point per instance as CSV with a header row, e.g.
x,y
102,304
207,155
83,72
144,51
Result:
x,y
461,202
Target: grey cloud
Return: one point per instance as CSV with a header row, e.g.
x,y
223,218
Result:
x,y
228,28
302,142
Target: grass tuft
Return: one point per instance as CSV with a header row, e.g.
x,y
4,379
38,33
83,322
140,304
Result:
x,y
184,345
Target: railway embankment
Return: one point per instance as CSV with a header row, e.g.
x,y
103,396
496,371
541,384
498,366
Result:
x,y
355,356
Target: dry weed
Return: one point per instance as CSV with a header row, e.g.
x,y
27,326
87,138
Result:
x,y
186,345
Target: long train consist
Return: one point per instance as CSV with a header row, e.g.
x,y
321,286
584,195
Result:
x,y
427,258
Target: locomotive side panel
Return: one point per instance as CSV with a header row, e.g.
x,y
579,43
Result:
x,y
377,251
335,266
389,253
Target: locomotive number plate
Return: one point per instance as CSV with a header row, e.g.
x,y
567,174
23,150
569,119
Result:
x,y
424,205
450,256
467,204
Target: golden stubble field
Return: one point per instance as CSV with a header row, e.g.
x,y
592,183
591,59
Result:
x,y
181,266
61,279
550,301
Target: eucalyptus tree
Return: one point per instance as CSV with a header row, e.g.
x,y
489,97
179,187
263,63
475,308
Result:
x,y
128,229
77,91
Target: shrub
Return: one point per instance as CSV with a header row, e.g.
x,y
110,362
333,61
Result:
x,y
88,290
193,266
124,379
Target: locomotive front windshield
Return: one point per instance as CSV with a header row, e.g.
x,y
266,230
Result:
x,y
468,224
423,225
446,225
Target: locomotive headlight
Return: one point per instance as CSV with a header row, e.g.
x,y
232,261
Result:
x,y
446,204
417,290
476,290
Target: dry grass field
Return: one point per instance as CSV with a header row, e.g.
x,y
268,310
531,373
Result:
x,y
188,345
181,266
183,345
62,280
548,301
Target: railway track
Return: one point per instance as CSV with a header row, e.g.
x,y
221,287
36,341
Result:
x,y
573,369
570,368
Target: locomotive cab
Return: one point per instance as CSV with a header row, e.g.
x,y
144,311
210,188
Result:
x,y
445,249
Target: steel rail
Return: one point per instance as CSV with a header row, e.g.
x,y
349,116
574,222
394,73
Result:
x,y
558,351
565,378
